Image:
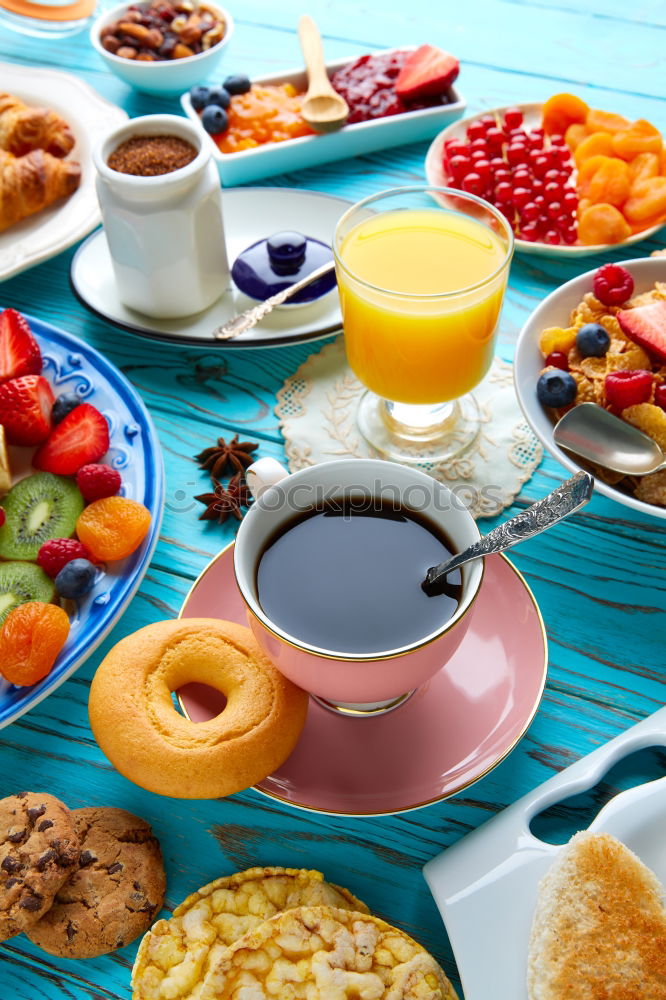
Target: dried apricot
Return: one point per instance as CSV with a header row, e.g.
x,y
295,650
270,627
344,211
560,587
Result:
x,y
647,199
596,144
574,135
31,637
610,183
654,220
605,121
562,110
587,170
640,137
583,205
600,224
642,167
113,527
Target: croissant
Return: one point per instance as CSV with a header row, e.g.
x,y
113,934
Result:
x,y
23,129
32,182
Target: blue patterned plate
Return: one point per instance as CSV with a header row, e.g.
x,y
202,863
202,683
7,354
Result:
x,y
70,365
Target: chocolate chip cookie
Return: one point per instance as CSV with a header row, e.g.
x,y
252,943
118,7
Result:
x,y
115,893
39,849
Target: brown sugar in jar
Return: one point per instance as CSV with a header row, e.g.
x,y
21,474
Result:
x,y
151,155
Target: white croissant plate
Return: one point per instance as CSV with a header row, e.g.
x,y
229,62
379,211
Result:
x,y
89,116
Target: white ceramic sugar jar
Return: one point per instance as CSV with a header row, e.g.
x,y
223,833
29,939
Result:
x,y
165,233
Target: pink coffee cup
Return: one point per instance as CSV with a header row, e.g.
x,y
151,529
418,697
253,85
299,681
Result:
x,y
364,682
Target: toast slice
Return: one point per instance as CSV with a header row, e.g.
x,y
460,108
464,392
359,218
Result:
x,y
599,930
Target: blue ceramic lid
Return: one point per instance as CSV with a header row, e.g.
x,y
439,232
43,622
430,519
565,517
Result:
x,y
275,263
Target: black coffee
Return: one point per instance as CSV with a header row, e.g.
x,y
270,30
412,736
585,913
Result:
x,y
347,577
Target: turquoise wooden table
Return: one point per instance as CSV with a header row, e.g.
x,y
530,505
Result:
x,y
598,579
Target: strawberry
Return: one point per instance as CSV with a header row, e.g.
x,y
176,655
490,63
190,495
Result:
x,y
627,388
426,72
25,409
647,326
19,351
97,481
81,437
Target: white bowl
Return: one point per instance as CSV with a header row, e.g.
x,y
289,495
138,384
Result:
x,y
528,363
166,77
311,150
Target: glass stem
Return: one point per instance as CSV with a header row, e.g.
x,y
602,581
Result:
x,y
420,421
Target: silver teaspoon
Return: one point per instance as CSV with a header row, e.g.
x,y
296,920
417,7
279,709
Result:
x,y
594,433
567,498
246,320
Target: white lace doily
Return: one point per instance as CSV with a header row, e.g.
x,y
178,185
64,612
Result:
x,y
316,408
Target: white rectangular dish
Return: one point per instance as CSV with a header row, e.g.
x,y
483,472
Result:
x,y
352,140
486,885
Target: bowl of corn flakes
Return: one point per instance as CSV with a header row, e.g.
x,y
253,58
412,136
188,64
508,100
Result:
x,y
601,338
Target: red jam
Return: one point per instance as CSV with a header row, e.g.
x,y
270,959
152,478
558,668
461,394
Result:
x,y
368,87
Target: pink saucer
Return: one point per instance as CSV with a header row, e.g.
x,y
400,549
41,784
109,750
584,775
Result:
x,y
455,729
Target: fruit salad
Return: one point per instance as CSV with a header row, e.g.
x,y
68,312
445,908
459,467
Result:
x,y
613,353
580,176
60,524
241,115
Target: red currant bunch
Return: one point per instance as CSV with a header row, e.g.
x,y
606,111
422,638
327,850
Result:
x,y
527,175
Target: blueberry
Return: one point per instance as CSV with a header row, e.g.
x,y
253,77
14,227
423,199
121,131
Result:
x,y
556,388
219,96
214,119
238,84
75,578
63,405
199,97
592,340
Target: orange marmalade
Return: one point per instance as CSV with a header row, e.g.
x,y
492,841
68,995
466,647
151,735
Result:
x,y
270,113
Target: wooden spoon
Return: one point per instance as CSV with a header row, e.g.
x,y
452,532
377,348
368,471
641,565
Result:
x,y
323,109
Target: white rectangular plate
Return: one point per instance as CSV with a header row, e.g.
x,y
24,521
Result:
x,y
352,140
486,885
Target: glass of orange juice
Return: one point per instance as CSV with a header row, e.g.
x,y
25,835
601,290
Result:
x,y
421,275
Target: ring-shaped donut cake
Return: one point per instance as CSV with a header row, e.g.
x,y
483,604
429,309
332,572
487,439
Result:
x,y
136,725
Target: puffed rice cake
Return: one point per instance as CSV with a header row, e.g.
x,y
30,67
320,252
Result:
x,y
176,954
324,953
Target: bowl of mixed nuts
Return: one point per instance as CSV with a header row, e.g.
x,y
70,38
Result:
x,y
162,46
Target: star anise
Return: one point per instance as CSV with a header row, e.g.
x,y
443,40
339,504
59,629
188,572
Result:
x,y
233,455
225,501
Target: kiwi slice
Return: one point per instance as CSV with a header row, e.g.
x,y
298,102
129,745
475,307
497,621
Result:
x,y
37,508
21,582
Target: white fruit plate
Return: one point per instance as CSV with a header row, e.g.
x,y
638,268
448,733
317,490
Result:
x,y
437,175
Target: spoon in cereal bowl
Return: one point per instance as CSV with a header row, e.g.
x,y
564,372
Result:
x,y
593,433
323,108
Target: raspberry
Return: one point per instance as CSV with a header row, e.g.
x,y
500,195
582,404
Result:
x,y
613,285
97,481
57,552
627,388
